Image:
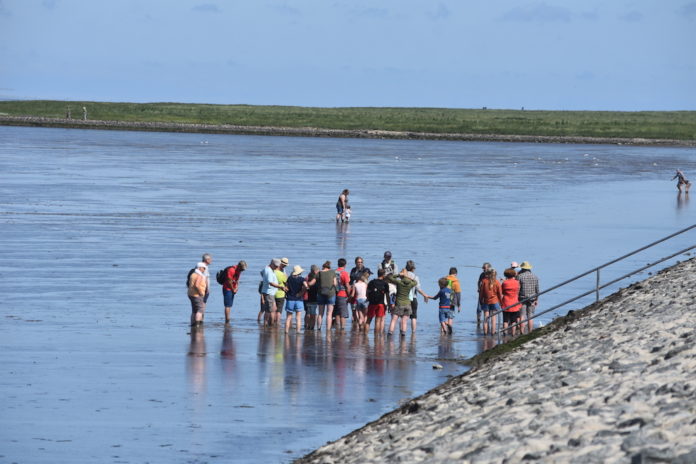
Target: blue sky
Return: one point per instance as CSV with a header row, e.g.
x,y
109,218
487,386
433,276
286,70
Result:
x,y
565,55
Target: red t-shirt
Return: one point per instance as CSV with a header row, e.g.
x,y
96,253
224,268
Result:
x,y
511,292
232,275
344,280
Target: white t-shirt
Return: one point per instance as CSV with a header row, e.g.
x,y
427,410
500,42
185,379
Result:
x,y
360,289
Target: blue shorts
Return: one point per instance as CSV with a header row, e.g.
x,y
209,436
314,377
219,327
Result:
x,y
228,297
446,314
324,300
361,304
293,306
311,308
490,307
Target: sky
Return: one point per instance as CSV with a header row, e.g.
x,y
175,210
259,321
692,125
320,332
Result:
x,y
556,55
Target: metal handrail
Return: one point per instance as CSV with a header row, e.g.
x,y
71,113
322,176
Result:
x,y
598,287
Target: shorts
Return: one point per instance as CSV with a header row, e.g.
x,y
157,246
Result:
x,y
311,309
402,310
361,304
228,297
445,314
324,300
267,302
527,311
376,310
414,308
341,307
490,307
294,306
197,304
280,303
339,208
510,317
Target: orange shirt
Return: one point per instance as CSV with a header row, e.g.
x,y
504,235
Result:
x,y
490,295
455,283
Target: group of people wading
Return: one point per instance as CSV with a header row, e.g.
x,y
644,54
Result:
x,y
329,296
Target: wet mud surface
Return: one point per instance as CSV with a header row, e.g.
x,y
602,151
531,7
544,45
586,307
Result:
x,y
100,228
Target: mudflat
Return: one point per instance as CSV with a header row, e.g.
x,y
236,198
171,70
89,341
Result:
x,y
615,384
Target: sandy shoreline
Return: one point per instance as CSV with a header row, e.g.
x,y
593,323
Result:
x,y
314,132
615,383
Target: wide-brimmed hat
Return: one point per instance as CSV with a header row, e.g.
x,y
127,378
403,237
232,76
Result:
x,y
285,261
526,265
275,262
297,270
514,265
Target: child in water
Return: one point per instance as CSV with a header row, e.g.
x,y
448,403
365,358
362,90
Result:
x,y
446,313
347,214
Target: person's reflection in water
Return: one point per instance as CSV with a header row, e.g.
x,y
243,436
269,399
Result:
x,y
294,373
342,232
195,361
445,349
378,353
228,353
682,201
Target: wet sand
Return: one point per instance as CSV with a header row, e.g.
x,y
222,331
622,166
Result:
x,y
337,133
99,364
616,383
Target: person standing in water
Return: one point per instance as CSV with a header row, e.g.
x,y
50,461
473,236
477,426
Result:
x,y
682,182
342,205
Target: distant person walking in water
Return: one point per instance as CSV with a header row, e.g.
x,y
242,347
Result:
x,y
529,288
342,205
682,182
197,289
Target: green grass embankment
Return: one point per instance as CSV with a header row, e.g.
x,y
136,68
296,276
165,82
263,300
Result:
x,y
668,125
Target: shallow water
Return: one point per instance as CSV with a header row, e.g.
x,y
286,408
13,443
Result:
x,y
99,229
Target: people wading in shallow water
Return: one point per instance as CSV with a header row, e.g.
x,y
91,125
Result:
x,y
682,182
197,289
342,205
491,295
529,289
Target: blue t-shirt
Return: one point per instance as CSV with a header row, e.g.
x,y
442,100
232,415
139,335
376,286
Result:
x,y
445,297
268,276
295,284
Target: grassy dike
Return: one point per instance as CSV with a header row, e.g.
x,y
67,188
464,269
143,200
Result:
x,y
672,126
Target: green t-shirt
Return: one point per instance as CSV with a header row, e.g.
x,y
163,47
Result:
x,y
403,287
282,278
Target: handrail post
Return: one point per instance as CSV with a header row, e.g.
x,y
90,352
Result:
x,y
597,287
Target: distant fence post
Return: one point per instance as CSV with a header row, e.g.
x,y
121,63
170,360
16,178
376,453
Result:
x,y
597,287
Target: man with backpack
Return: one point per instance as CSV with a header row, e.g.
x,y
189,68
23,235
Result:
x,y
229,279
197,287
377,297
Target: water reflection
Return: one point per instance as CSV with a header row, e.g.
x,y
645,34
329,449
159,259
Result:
x,y
195,361
228,356
342,232
682,200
